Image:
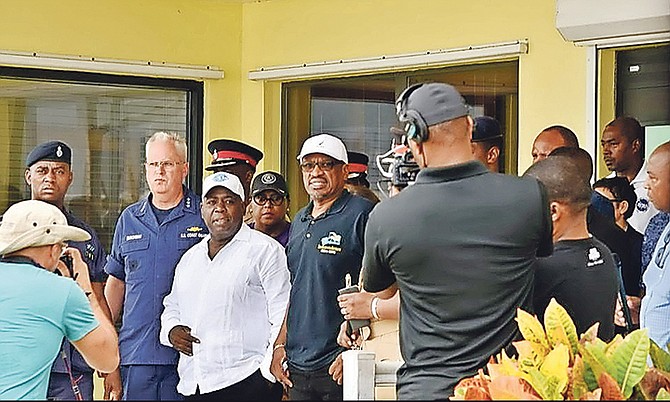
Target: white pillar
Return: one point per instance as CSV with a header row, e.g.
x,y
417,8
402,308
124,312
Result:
x,y
358,375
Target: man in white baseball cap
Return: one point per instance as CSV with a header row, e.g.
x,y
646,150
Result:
x,y
325,246
228,298
39,308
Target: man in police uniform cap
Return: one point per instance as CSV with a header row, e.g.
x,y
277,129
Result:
x,y
235,157
487,142
358,169
49,175
269,206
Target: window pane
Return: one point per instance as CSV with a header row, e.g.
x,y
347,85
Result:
x,y
361,111
105,125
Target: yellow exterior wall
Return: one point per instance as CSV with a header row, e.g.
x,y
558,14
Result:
x,y
552,80
201,32
239,36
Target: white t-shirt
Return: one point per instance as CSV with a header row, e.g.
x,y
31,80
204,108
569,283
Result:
x,y
234,304
644,209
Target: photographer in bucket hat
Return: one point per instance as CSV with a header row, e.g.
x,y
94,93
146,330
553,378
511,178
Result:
x,y
38,308
461,281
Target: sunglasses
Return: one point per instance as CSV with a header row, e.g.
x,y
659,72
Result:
x,y
275,199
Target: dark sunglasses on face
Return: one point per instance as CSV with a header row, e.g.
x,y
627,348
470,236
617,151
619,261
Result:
x,y
275,199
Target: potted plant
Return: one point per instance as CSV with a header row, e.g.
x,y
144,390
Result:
x,y
553,363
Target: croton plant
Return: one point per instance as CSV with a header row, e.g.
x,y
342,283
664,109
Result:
x,y
553,363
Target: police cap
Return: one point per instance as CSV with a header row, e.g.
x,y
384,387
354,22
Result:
x,y
227,152
54,151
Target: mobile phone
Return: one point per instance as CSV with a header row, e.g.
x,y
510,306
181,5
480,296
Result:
x,y
354,325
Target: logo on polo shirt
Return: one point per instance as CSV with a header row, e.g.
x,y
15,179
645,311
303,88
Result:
x,y
595,258
642,205
330,244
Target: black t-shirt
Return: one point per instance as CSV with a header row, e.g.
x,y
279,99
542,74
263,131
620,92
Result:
x,y
605,230
581,276
461,244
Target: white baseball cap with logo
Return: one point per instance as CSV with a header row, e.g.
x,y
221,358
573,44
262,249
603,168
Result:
x,y
222,179
326,144
34,223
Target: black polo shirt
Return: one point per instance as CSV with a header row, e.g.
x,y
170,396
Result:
x,y
320,252
461,243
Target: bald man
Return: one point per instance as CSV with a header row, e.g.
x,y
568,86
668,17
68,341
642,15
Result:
x,y
551,138
655,310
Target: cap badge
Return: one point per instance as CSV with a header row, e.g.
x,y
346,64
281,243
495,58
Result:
x,y
268,178
59,151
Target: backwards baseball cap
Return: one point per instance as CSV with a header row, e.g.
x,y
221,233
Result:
x,y
54,151
486,128
34,223
326,144
222,179
435,102
227,152
269,181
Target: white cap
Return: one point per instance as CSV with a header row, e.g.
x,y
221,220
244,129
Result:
x,y
222,179
35,223
324,144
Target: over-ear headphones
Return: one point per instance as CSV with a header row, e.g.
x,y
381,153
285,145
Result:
x,y
415,125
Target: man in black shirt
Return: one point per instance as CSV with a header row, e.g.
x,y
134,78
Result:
x,y
581,274
462,259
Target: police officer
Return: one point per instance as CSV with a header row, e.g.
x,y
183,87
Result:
x,y
487,142
234,157
49,175
150,238
269,206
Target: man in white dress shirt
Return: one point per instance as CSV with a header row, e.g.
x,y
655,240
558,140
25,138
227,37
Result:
x,y
623,152
227,302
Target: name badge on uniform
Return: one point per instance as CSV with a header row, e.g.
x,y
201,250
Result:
x,y
193,232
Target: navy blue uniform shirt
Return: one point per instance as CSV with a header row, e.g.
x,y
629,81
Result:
x,y
321,251
94,255
144,255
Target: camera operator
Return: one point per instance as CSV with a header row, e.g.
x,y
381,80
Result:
x,y
38,308
461,281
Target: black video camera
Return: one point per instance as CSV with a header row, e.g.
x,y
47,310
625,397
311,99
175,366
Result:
x,y
405,170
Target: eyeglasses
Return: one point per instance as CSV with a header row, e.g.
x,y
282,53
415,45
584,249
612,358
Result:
x,y
661,255
325,166
167,165
275,199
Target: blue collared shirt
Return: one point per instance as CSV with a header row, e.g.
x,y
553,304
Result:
x,y
144,255
655,309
